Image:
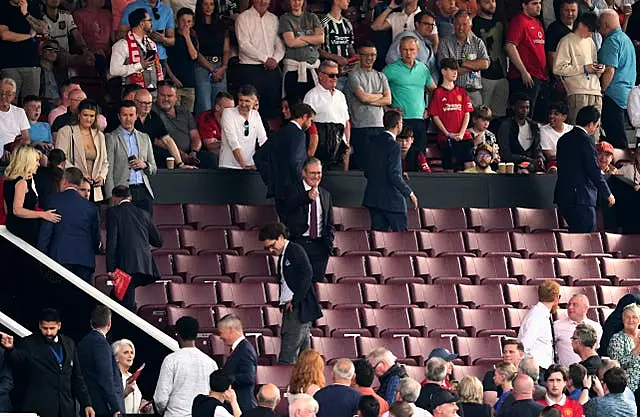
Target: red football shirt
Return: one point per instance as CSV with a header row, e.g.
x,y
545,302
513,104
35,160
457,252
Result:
x,y
450,106
208,127
527,34
569,408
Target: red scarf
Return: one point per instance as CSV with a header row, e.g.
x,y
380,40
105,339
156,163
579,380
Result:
x,y
134,58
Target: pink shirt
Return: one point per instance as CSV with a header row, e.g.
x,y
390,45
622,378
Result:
x,y
95,27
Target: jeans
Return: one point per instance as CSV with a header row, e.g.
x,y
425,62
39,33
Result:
x,y
206,89
295,337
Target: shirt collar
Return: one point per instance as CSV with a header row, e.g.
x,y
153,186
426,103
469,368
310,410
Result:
x,y
306,186
101,332
237,342
561,403
297,124
324,89
126,200
392,134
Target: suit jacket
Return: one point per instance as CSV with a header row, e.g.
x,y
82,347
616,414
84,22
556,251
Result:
x,y
579,177
69,140
76,238
260,411
51,390
386,189
101,374
129,233
118,154
298,274
6,382
298,205
242,366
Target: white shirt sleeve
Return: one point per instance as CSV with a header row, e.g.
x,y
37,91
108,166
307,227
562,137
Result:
x,y
22,119
229,133
119,55
633,107
164,386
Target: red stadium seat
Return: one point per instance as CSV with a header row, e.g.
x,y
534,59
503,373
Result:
x,y
528,270
622,246
574,270
334,348
388,322
209,216
485,322
581,245
351,218
272,291
205,242
396,295
442,243
522,296
217,348
490,244
246,242
419,348
204,315
445,219
241,268
168,216
392,269
170,243
413,219
204,268
536,245
609,296
339,322
490,219
273,319
269,347
242,294
339,295
536,219
478,350
515,317
193,294
441,270
253,217
348,268
251,317
491,270
395,344
278,375
622,271
435,322
434,295
395,243
352,242
478,371
482,296
153,294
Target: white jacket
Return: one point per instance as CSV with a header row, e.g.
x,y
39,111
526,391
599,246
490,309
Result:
x,y
633,108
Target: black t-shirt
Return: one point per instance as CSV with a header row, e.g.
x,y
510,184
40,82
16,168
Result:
x,y
211,38
180,62
489,385
491,31
61,121
204,406
556,31
17,54
152,126
592,363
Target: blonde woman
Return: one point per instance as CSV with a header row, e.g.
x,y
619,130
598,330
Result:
x,y
503,378
624,346
470,391
84,145
307,376
125,352
21,197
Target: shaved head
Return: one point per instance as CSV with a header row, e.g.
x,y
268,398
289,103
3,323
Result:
x,y
268,396
608,21
523,387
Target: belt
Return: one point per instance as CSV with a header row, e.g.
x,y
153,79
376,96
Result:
x,y
136,186
214,59
472,90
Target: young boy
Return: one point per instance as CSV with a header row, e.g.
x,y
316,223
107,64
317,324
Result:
x,y
480,119
450,110
550,133
412,159
40,132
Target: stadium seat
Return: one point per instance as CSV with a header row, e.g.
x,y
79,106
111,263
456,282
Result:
x,y
604,313
490,219
168,216
188,295
419,348
536,219
352,242
536,245
609,295
485,322
242,268
170,243
209,216
392,269
205,242
382,296
334,348
622,246
582,269
204,315
272,291
217,349
521,296
581,245
204,268
395,344
279,375
251,317
443,219
246,242
163,262
490,244
243,294
434,295
388,322
435,322
442,243
413,219
515,317
347,295
482,296
348,268
341,322
273,319
416,372
478,350
395,243
253,217
446,269
351,218
269,348
153,294
532,270
622,271
478,371
491,270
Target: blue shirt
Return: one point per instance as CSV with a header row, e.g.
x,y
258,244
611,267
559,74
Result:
x,y
611,405
40,132
135,177
617,51
159,25
337,401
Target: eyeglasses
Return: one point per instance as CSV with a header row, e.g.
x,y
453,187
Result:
x,y
427,24
270,246
246,128
156,15
332,75
50,49
485,155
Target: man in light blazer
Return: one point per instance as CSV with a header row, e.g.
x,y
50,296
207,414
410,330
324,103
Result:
x,y
131,158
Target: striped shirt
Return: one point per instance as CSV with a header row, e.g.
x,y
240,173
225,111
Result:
x,y
338,35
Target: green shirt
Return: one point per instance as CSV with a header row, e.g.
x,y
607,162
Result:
x,y
407,87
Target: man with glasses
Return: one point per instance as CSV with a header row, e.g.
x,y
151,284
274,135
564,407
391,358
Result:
x,y
565,327
583,343
242,129
332,117
13,120
427,36
483,157
182,128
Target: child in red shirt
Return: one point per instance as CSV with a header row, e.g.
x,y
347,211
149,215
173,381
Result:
x,y
450,109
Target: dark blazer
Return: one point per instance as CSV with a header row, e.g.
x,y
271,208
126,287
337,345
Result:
x,y
129,233
101,374
579,177
260,411
242,366
337,400
76,238
510,148
386,189
50,391
298,205
6,382
298,274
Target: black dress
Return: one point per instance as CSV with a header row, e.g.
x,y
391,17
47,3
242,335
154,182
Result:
x,y
26,229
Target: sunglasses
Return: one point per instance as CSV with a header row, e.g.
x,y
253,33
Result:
x,y
331,75
246,128
156,14
51,49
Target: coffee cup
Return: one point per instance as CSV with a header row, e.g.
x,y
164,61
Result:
x,y
502,167
171,161
509,167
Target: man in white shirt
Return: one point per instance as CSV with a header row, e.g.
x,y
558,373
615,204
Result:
x,y
260,49
536,331
551,132
184,374
331,109
13,120
408,391
564,328
241,128
397,21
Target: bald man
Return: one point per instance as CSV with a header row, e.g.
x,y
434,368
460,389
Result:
x,y
619,58
524,405
268,399
339,399
564,328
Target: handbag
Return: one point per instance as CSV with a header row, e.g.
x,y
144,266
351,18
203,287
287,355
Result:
x,y
121,282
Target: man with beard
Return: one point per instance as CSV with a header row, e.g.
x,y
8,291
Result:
x,y
50,362
536,328
483,157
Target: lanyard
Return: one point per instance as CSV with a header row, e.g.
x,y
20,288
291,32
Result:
x,y
58,353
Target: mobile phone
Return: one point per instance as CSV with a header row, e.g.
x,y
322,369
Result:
x,y
131,158
150,54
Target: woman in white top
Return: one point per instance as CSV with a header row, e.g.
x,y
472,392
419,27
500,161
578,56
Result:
x,y
125,352
632,171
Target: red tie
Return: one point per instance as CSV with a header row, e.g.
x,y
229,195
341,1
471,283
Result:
x,y
313,219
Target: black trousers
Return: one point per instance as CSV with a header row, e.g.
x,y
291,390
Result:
x,y
141,198
387,221
269,86
419,127
294,90
516,84
318,254
613,123
82,271
580,218
360,145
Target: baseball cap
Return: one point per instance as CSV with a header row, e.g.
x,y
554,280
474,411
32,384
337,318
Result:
x,y
603,146
443,397
442,353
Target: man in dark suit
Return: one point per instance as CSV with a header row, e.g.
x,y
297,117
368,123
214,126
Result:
x,y
268,399
129,233
50,363
242,364
99,367
309,217
298,301
6,382
339,399
74,241
579,178
386,193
